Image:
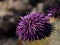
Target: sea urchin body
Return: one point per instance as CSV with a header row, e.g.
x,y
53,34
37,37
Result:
x,y
33,26
54,11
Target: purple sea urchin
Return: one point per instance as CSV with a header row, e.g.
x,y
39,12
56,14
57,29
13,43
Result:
x,y
54,11
34,26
